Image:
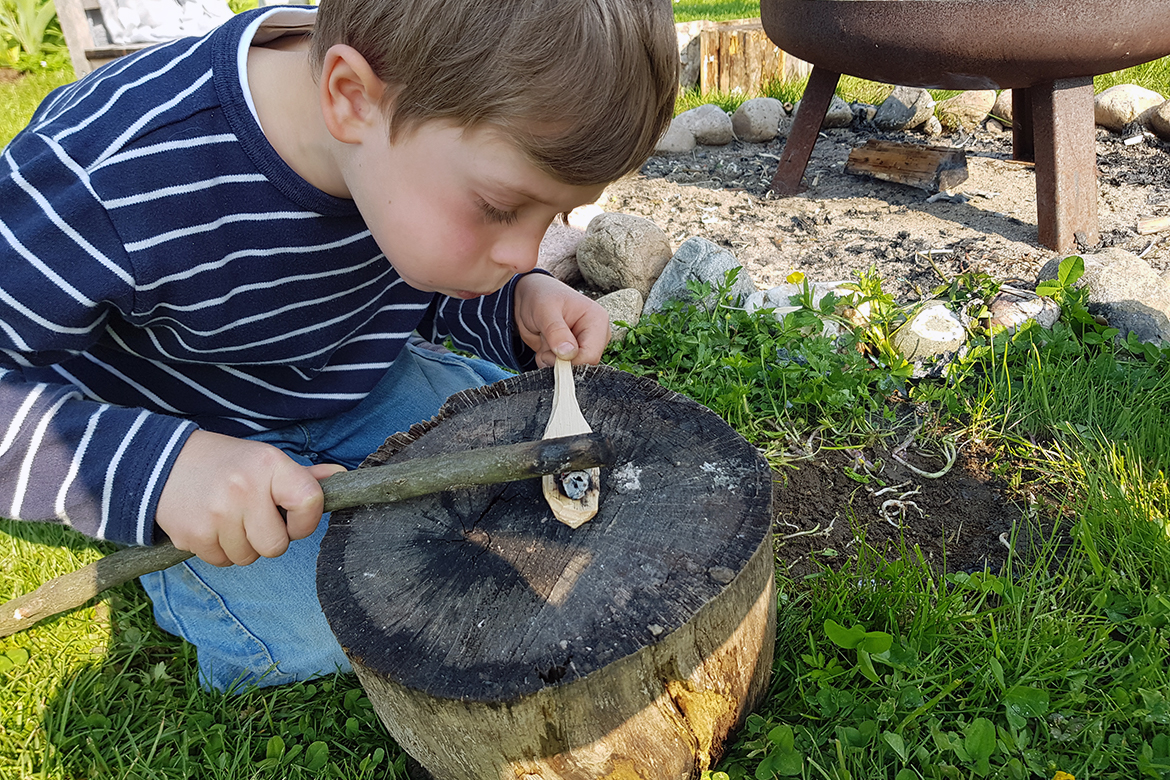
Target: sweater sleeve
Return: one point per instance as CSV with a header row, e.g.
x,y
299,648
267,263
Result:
x,y
484,326
66,456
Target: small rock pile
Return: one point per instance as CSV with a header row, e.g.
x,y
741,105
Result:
x,y
1126,108
629,259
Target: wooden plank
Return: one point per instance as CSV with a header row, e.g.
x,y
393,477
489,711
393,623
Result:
x,y
1152,225
930,168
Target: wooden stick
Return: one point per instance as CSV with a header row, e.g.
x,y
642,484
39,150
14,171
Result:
x,y
374,485
1152,225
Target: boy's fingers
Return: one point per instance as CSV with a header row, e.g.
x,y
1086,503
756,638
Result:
x,y
298,490
267,534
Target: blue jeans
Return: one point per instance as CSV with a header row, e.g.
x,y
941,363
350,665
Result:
x,y
262,624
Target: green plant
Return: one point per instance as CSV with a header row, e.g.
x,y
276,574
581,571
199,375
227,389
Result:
x,y
26,27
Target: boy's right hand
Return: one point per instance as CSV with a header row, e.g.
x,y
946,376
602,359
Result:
x,y
223,498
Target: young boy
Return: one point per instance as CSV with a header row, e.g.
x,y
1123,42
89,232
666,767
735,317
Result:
x,y
213,254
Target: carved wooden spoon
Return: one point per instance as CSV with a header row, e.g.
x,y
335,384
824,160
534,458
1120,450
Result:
x,y
572,496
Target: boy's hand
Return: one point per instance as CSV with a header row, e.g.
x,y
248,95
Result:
x,y
223,496
557,321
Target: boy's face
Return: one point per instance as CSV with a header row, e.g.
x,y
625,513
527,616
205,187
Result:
x,y
457,211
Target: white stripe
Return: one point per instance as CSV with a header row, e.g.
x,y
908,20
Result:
x,y
223,402
140,535
399,336
112,470
358,367
93,117
265,285
86,391
280,250
207,227
36,263
14,337
63,226
71,164
111,73
33,446
75,465
182,189
291,393
136,385
149,116
249,423
16,358
21,413
46,324
145,151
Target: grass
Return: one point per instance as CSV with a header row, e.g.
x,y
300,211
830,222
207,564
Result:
x,y
883,669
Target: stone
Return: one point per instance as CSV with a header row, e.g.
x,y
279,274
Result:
x,y
558,252
1126,291
993,126
1009,310
933,331
863,112
932,127
779,298
623,306
697,260
839,114
689,52
622,250
966,110
757,120
1001,109
1124,104
905,109
677,139
1160,120
709,123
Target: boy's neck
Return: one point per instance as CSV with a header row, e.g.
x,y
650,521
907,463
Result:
x,y
287,102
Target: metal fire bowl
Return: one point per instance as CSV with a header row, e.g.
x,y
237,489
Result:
x,y
970,44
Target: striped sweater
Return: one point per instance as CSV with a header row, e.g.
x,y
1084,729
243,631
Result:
x,y
162,269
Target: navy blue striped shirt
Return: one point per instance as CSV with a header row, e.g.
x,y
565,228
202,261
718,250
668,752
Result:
x,y
162,269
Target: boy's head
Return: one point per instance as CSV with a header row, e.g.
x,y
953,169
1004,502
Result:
x,y
583,87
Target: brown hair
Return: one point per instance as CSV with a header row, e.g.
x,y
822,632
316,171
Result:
x,y
583,87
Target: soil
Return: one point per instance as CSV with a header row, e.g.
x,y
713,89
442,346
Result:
x,y
842,224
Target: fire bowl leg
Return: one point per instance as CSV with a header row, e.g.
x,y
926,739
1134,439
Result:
x,y
1023,146
805,127
1066,162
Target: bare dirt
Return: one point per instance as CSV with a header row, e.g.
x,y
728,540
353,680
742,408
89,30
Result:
x,y
842,224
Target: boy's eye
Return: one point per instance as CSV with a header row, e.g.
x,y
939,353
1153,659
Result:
x,y
497,215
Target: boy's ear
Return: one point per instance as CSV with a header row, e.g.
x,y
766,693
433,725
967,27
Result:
x,y
350,93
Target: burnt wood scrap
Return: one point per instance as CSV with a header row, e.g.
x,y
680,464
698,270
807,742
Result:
x,y
930,168
629,647
1153,225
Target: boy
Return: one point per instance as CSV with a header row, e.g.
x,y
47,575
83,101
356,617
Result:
x,y
215,251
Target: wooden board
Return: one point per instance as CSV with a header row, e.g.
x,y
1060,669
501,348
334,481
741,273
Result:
x,y
496,642
931,168
739,57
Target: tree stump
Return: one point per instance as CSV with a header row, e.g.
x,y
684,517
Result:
x,y
496,642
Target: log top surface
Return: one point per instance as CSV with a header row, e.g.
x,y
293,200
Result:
x,y
481,594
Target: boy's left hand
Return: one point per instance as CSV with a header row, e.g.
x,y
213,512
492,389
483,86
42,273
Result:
x,y
557,321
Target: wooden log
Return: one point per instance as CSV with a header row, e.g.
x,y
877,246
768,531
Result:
x,y
930,168
495,642
739,57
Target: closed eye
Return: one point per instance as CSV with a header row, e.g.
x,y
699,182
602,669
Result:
x,y
494,214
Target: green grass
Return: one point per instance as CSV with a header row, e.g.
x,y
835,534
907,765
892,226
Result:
x,y
883,669
20,98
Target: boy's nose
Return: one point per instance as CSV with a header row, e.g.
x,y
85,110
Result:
x,y
517,250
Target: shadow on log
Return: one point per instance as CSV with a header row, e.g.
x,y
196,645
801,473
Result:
x,y
495,642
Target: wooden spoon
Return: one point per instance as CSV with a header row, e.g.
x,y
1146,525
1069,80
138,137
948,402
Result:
x,y
572,496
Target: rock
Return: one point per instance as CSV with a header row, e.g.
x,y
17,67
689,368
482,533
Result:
x,y
839,114
905,109
696,260
1126,291
780,297
581,216
1008,310
624,305
993,126
1001,109
932,127
677,139
558,253
863,112
966,110
1124,104
622,250
709,123
756,120
689,53
1159,118
933,331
